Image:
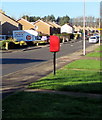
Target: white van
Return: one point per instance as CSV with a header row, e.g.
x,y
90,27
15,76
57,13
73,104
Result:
x,y
94,39
25,35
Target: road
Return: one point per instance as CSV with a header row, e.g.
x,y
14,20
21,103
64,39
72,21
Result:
x,y
14,61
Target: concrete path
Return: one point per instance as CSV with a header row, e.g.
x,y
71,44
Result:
x,y
75,94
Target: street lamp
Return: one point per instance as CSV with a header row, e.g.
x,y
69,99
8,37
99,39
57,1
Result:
x,y
84,31
100,24
99,32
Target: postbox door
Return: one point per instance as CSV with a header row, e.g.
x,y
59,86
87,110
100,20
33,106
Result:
x,y
54,43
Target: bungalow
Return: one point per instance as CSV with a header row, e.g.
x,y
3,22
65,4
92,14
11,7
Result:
x,y
0,28
55,24
46,27
7,24
77,29
26,25
56,27
66,28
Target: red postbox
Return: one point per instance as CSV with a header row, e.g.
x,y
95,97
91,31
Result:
x,y
54,47
54,43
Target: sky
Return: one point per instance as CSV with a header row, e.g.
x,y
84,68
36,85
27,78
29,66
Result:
x,y
44,8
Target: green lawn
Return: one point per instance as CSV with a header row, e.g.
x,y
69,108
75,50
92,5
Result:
x,y
78,76
98,54
70,80
29,105
84,64
99,48
94,54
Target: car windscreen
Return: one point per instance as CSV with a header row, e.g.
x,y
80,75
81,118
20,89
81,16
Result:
x,y
93,38
97,37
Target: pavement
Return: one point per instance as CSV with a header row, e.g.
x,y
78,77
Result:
x,y
22,49
19,80
32,47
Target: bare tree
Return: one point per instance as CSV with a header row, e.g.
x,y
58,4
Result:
x,y
89,21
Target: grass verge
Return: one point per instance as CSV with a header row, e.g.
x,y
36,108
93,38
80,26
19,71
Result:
x,y
94,54
30,105
82,75
78,76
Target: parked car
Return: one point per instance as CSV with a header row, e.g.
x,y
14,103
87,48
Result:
x,y
2,37
86,37
97,37
94,39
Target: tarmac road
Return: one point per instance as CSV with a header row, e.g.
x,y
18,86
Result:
x,y
18,60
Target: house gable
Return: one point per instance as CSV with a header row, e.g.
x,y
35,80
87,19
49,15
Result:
x,y
54,24
8,24
41,21
43,27
26,25
46,27
66,28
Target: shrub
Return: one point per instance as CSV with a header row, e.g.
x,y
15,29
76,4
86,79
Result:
x,y
3,44
11,45
22,43
10,42
65,35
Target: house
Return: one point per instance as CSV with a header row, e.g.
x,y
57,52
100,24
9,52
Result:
x,y
56,26
66,28
26,25
46,27
0,28
7,24
77,29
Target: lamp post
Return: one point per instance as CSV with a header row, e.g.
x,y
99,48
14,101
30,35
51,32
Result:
x,y
100,25
84,31
99,32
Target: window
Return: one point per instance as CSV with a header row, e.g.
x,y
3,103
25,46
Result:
x,y
35,27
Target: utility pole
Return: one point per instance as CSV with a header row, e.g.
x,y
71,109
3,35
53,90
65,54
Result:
x,y
84,31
